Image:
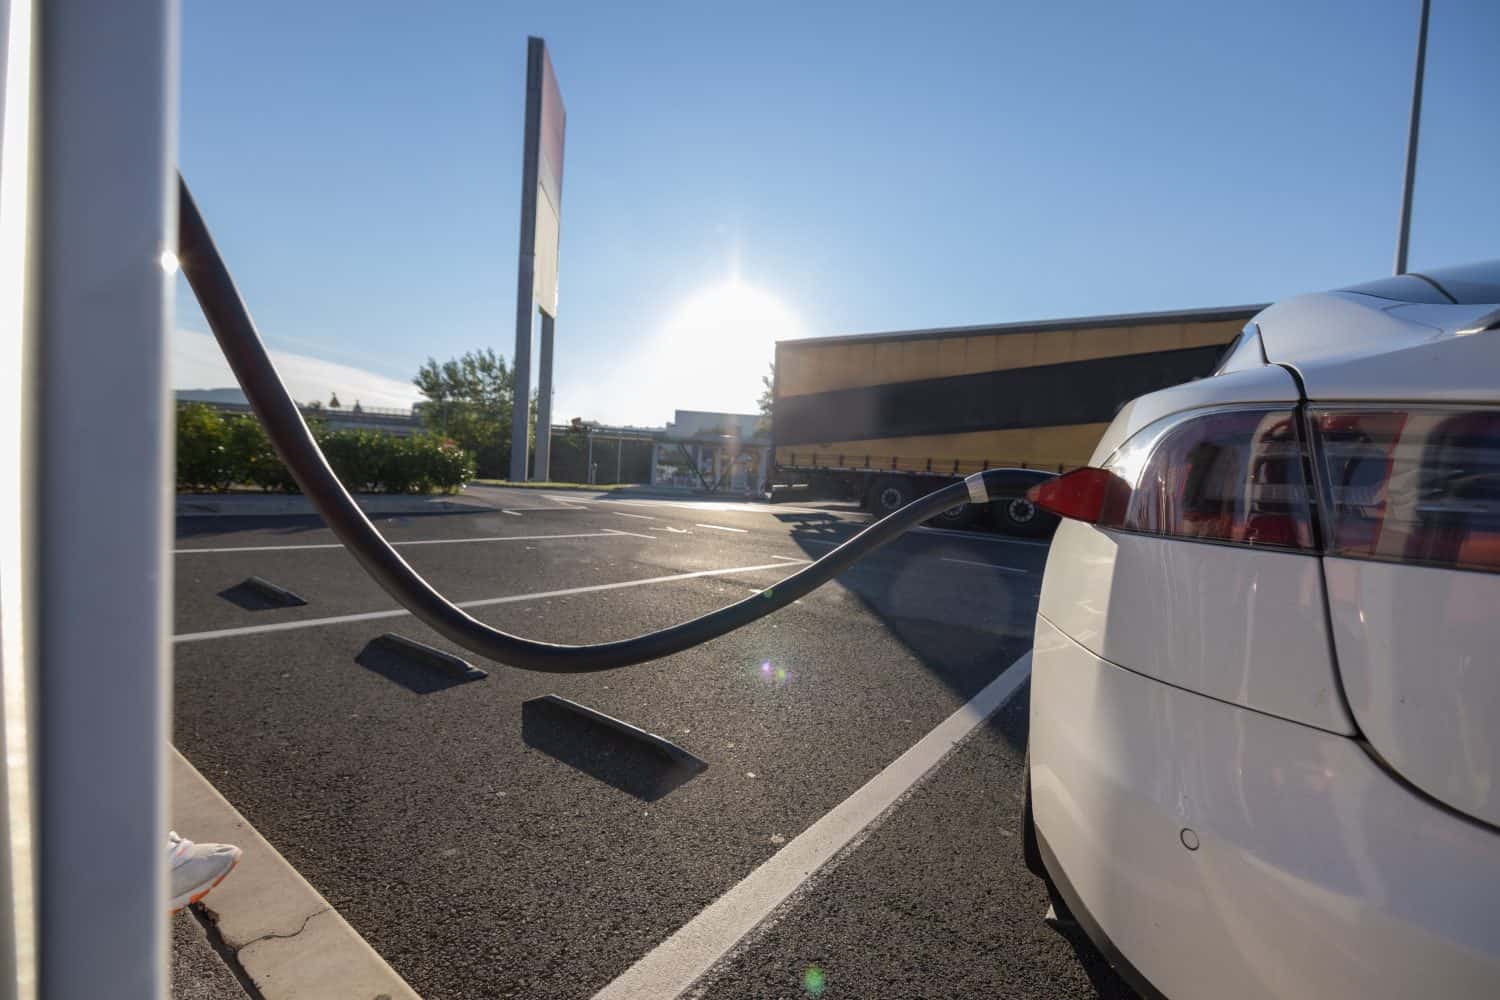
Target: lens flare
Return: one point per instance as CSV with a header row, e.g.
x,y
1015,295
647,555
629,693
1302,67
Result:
x,y
813,981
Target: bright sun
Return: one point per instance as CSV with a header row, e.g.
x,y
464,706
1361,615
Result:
x,y
721,341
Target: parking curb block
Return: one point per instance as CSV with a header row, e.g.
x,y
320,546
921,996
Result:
x,y
286,937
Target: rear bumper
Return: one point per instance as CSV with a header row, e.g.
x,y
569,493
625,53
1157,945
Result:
x,y
1315,874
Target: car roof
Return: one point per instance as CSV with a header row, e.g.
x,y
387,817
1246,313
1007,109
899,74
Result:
x,y
1461,284
1433,336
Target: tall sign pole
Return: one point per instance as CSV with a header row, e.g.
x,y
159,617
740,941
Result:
x,y
1403,238
542,464
536,274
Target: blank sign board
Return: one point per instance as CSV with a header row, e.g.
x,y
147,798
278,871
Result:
x,y
541,196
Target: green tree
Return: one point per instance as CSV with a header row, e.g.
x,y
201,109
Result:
x,y
470,399
767,400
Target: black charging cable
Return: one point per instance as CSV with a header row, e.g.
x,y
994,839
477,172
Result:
x,y
235,331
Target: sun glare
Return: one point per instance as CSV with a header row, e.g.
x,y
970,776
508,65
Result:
x,y
721,341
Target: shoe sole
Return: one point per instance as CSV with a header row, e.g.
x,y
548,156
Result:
x,y
179,904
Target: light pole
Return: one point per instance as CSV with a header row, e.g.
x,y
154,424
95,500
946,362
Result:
x,y
1403,238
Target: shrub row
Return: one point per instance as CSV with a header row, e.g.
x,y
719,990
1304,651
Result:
x,y
216,451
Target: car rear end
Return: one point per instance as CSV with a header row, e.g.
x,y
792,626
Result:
x,y
1265,739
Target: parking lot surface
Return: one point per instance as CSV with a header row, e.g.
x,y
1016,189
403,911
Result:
x,y
487,844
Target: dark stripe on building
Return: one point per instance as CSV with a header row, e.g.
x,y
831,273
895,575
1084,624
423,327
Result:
x,y
1075,392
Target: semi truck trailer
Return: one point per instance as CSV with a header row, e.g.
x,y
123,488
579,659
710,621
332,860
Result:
x,y
884,418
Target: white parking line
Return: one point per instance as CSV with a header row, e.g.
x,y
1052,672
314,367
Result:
x,y
682,959
226,633
632,534
720,527
512,513
508,510
643,517
971,562
602,533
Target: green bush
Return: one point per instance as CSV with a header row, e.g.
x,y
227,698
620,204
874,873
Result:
x,y
216,451
202,448
356,457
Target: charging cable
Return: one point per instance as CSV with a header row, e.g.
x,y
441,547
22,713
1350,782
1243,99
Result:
x,y
289,434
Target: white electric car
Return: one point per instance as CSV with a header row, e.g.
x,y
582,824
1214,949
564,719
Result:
x,y
1265,710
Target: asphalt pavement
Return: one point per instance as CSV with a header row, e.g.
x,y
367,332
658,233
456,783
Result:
x,y
487,844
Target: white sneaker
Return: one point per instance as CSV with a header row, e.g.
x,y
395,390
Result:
x,y
197,868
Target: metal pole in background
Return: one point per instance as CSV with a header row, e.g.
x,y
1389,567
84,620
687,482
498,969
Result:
x,y
619,455
520,414
520,411
106,231
1403,238
541,469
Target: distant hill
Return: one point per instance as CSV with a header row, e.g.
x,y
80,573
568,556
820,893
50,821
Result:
x,y
233,395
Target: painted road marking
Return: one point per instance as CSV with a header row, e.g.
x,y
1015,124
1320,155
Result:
x,y
632,534
971,562
226,633
602,533
512,513
720,527
971,536
682,959
507,510
643,517
738,507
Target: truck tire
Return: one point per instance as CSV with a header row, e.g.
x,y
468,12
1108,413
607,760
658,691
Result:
x,y
888,495
956,517
1019,516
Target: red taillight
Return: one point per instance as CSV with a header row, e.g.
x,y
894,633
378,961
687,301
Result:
x,y
1411,485
1082,495
1232,476
1225,476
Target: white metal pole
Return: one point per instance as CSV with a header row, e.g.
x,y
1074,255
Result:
x,y
1404,235
19,83
107,222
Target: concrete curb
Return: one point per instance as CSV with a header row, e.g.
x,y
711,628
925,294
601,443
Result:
x,y
283,505
286,937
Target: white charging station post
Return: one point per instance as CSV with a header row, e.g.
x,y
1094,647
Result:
x,y
87,213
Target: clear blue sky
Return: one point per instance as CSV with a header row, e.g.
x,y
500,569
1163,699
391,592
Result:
x,y
879,166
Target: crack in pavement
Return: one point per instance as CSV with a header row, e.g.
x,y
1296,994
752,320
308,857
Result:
x,y
274,936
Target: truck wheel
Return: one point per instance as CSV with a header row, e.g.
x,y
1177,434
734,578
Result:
x,y
889,495
957,517
1019,516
